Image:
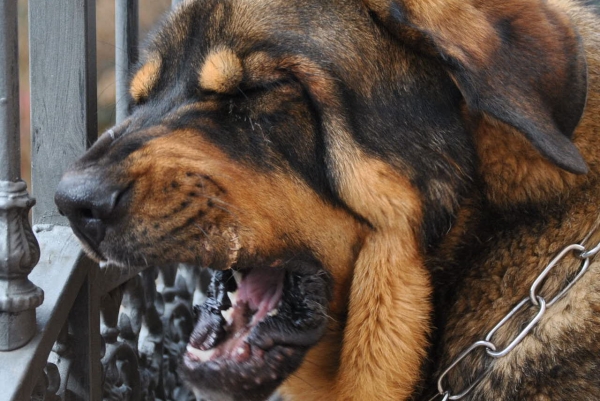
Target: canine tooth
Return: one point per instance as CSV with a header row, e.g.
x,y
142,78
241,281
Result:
x,y
273,312
238,277
242,353
228,315
203,356
103,264
232,297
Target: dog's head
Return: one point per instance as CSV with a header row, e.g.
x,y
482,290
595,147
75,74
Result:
x,y
312,153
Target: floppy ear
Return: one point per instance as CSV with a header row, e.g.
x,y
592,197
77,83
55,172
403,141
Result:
x,y
385,333
519,61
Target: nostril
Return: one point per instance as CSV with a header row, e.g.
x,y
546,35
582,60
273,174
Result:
x,y
88,214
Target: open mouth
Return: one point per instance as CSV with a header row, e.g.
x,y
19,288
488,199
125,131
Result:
x,y
255,328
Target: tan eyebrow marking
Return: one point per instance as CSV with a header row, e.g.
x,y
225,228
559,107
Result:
x,y
145,79
221,72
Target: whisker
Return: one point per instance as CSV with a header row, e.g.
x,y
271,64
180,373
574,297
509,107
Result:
x,y
306,382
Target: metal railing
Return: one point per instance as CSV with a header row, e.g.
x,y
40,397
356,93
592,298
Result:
x,y
81,332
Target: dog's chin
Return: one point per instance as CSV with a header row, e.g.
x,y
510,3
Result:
x,y
254,329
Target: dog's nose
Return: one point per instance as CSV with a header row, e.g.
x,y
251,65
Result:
x,y
88,203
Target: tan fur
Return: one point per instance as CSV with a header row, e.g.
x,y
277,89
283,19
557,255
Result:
x,y
388,314
389,300
221,72
144,80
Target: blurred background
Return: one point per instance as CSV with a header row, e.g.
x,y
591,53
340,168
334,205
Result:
x,y
150,12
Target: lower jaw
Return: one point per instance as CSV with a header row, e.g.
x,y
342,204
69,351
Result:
x,y
258,370
255,379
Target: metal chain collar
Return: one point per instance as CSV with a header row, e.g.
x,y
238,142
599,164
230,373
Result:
x,y
534,300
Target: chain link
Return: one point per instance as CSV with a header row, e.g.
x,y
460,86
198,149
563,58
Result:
x,y
533,301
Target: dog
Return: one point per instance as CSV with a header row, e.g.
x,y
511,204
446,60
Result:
x,y
375,183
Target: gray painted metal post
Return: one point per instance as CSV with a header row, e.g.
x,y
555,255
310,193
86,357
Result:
x,y
19,250
126,43
9,93
62,45
84,319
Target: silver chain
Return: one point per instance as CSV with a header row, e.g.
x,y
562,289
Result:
x,y
533,301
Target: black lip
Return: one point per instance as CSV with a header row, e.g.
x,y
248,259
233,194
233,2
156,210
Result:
x,y
88,244
277,344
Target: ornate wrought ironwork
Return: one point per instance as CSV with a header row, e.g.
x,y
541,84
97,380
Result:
x,y
48,385
145,330
19,253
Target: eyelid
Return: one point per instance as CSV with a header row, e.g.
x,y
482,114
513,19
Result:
x,y
268,85
246,89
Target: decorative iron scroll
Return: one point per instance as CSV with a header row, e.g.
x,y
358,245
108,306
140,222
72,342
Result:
x,y
146,323
48,385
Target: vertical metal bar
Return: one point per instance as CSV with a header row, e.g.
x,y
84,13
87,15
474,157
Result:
x,y
19,250
126,43
9,92
86,374
62,45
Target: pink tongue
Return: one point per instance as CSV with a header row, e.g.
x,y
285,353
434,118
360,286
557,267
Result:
x,y
261,289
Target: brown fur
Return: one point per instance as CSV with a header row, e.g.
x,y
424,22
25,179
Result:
x,y
510,260
514,172
424,154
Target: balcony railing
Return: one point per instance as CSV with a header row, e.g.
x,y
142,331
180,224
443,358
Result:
x,y
70,329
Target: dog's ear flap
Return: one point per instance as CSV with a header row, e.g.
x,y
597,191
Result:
x,y
519,61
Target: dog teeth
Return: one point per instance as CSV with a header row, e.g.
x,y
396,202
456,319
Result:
x,y
273,312
238,277
202,356
228,315
232,297
242,353
103,264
